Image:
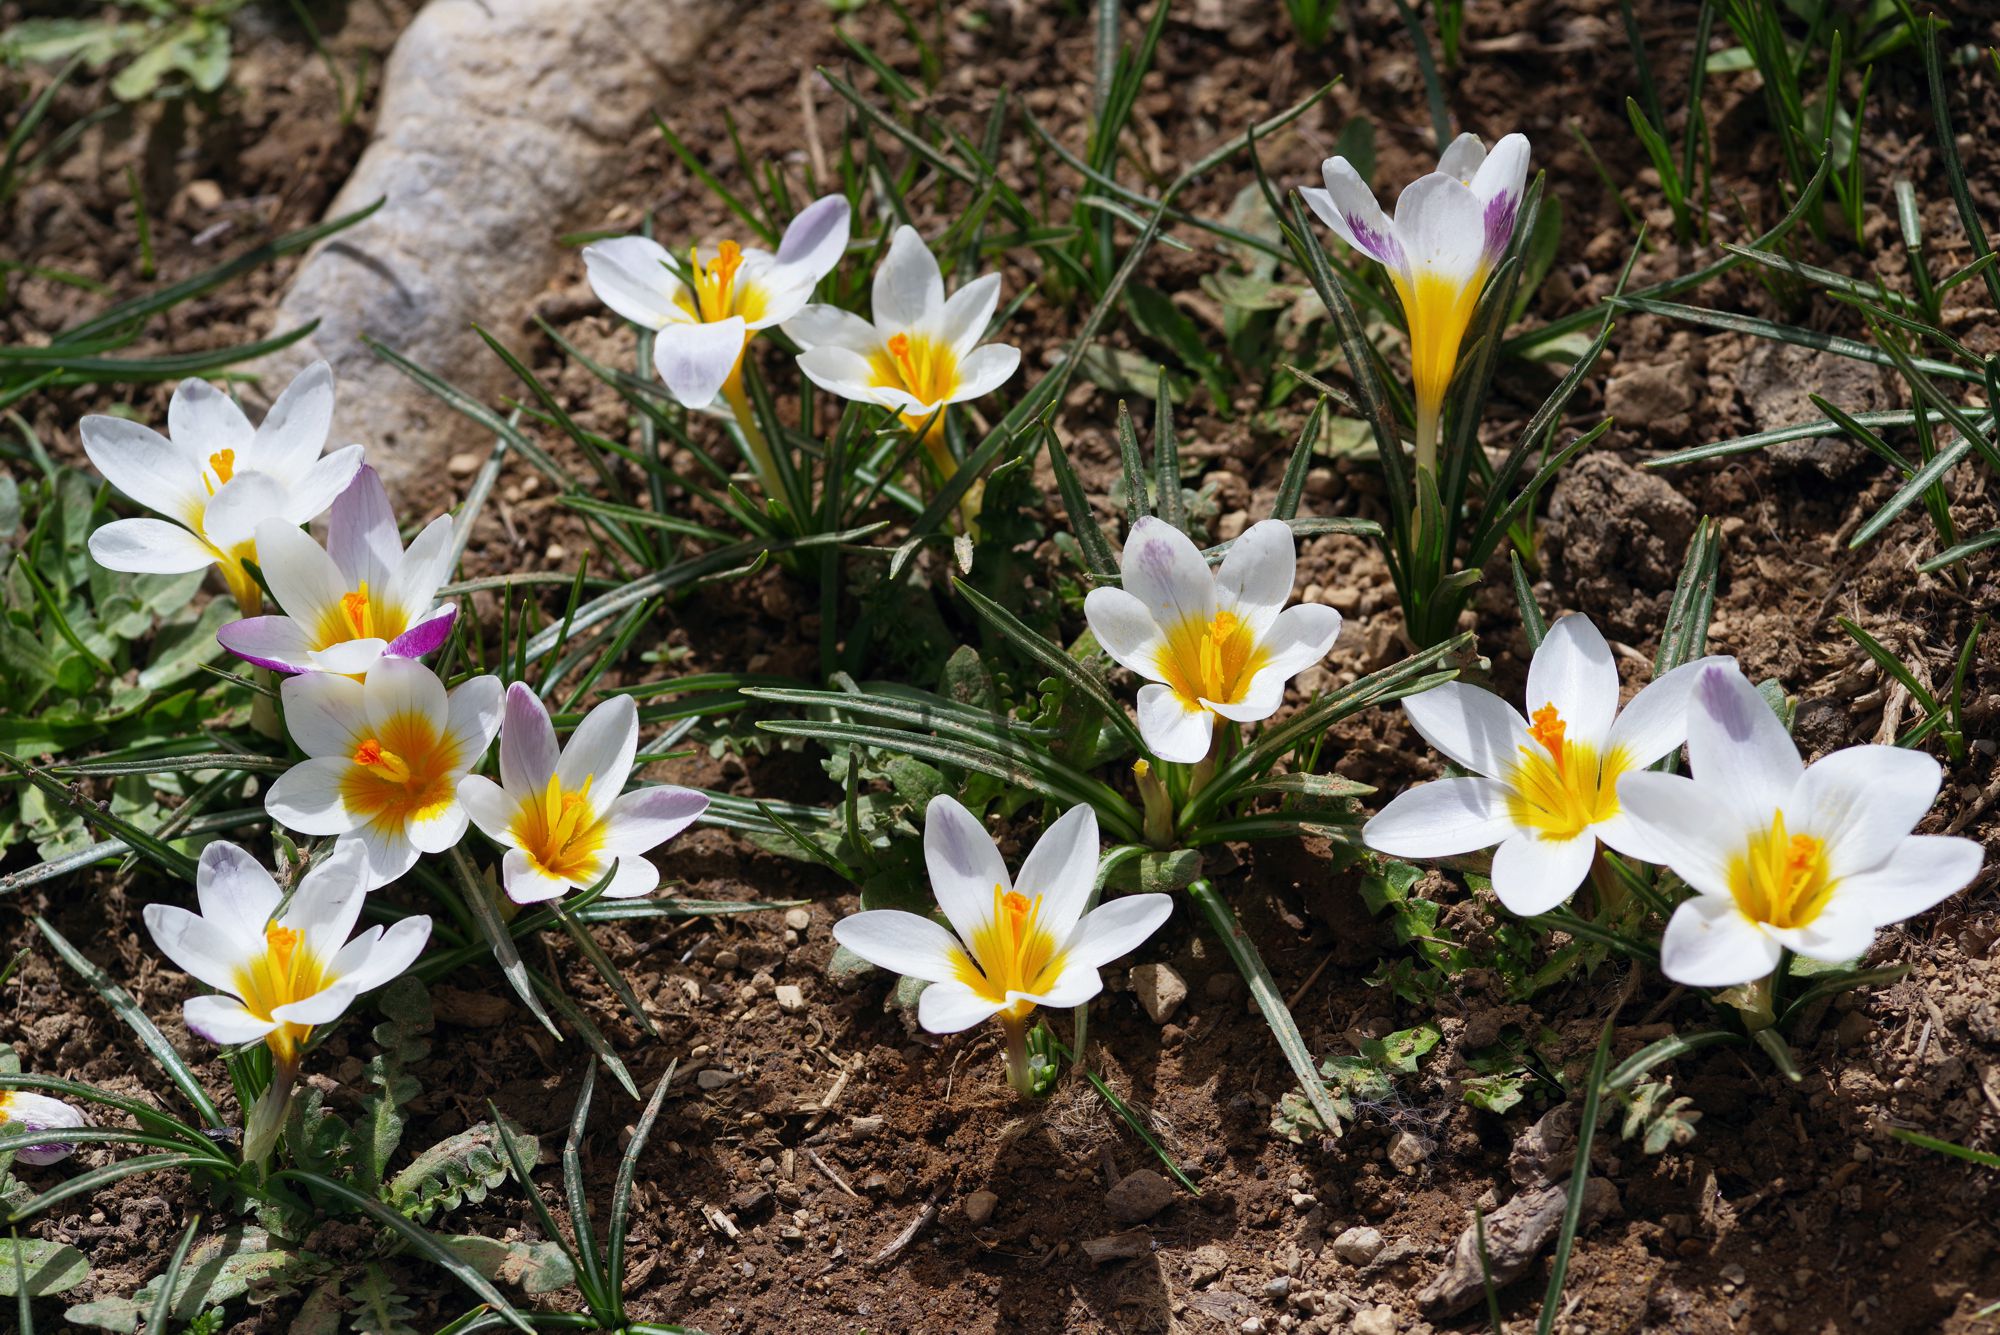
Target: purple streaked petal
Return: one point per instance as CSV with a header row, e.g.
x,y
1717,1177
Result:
x,y
1500,211
273,642
424,637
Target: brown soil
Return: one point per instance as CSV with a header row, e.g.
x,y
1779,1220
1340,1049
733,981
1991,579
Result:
x,y
837,1127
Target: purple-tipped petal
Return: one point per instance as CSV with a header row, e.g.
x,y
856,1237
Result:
x,y
426,636
273,642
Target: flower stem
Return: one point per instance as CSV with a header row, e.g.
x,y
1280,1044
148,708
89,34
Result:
x,y
762,462
1019,1073
267,1115
1427,438
939,449
1159,808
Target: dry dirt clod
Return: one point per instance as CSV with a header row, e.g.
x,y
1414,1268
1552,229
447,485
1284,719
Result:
x,y
1129,1245
791,998
1358,1245
1207,1265
979,1207
1160,990
1374,1321
1139,1196
1515,1235
1407,1150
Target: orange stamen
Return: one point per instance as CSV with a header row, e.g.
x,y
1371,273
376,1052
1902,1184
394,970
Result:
x,y
1548,729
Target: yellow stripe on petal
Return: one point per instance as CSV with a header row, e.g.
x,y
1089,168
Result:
x,y
1781,879
1210,659
1011,952
286,972
1561,787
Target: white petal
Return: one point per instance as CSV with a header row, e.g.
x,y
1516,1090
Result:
x,y
327,903
635,876
1499,187
1474,728
695,359
843,371
1256,575
307,797
351,658
909,291
274,642
1261,697
223,1021
1655,722
904,943
816,239
1863,802
384,956
149,547
489,806
1124,629
601,750
1738,749
1441,819
964,865
984,370
950,1007
473,717
1708,943
239,506
293,432
1532,875
1921,871
1062,869
527,882
361,533
145,465
1349,207
1162,568
1440,223
301,576
424,569
967,312
322,1007
314,490
325,715
820,325
632,275
645,818
528,750
236,894
1171,730
437,829
198,948
1462,156
777,295
1298,638
387,850
203,420
1115,928
1841,932
1574,671
399,688
1681,825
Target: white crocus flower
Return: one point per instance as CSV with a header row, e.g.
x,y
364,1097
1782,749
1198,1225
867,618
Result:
x,y
1211,645
354,600
703,326
1782,855
563,814
1450,230
384,757
276,978
24,1110
216,478
921,352
1013,945
1546,790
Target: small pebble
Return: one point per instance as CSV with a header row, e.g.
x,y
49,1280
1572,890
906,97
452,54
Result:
x,y
1160,990
1278,1288
1406,1151
713,1078
1374,1321
1139,1196
726,959
1358,1246
463,464
798,919
791,999
979,1207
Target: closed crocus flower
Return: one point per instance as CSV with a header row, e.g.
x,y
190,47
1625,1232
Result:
x,y
356,599
1544,788
215,478
1450,230
1211,645
384,757
278,978
703,325
23,1110
1013,944
1782,855
921,351
562,813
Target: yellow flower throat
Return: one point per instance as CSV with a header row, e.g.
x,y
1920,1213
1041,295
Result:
x,y
1781,879
1559,787
559,831
286,972
406,772
1011,952
1211,659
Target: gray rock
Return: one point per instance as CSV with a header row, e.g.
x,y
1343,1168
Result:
x,y
500,122
1654,399
1139,1196
1777,381
1160,990
1406,1151
1358,1245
